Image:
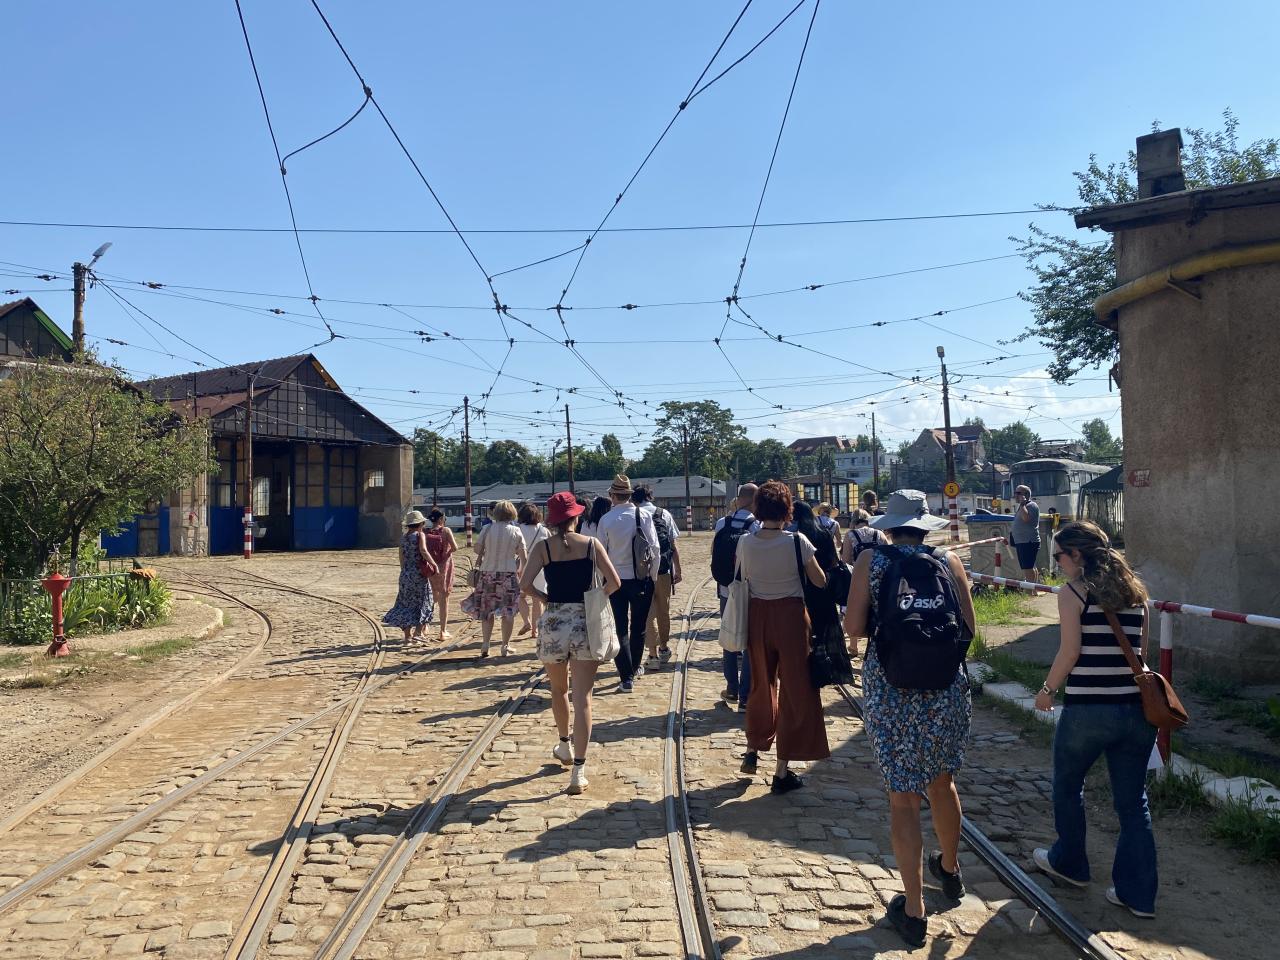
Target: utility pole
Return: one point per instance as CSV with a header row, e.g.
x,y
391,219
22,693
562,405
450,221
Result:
x,y
688,496
466,464
435,472
568,438
248,466
875,455
78,272
951,453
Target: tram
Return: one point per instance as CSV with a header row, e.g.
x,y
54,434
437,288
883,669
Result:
x,y
1055,484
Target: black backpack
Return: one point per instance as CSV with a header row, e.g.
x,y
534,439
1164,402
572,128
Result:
x,y
724,550
640,552
665,548
859,544
921,638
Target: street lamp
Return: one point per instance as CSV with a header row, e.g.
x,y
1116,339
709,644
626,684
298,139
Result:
x,y
79,272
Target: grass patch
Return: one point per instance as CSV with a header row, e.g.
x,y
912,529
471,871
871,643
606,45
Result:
x,y
1007,666
1172,793
1002,608
10,660
1227,703
152,652
1255,832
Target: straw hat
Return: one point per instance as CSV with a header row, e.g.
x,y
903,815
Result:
x,y
413,518
621,486
908,509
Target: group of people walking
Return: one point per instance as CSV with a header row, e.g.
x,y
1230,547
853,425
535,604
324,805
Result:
x,y
877,582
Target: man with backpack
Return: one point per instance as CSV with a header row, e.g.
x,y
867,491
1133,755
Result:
x,y
724,552
913,601
628,535
657,631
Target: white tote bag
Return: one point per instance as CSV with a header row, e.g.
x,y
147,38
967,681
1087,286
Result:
x,y
733,624
602,635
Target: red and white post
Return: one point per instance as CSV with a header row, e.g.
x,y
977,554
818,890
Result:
x,y
954,516
248,533
999,561
1163,740
688,518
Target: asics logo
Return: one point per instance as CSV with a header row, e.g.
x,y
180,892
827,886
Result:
x,y
912,602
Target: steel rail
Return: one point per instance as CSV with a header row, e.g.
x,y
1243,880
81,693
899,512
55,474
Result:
x,y
144,727
696,925
349,931
85,853
1068,927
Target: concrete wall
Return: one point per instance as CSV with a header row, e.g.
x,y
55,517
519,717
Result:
x,y
381,511
1201,412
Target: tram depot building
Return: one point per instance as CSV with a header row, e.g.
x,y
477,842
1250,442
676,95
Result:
x,y
326,473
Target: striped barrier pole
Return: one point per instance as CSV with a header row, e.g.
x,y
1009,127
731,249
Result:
x,y
248,533
1163,738
999,561
954,512
688,518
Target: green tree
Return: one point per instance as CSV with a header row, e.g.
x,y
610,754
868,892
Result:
x,y
1100,444
711,432
505,461
431,455
658,460
83,451
862,443
1011,443
1070,273
775,461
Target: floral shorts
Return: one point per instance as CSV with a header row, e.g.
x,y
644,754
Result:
x,y
562,633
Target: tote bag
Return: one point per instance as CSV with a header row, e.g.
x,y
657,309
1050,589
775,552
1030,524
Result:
x,y
733,624
602,636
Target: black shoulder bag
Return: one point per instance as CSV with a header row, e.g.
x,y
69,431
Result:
x,y
829,661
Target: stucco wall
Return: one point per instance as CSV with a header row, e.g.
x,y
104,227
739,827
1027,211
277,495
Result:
x,y
381,512
1201,412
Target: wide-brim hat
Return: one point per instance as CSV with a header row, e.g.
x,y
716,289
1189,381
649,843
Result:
x,y
621,486
561,507
908,510
413,518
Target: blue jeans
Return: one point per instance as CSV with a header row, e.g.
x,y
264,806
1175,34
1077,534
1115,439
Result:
x,y
737,670
1085,733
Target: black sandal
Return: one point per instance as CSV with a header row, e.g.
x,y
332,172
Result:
x,y
786,783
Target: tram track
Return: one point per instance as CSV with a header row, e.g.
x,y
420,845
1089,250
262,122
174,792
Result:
x,y
314,792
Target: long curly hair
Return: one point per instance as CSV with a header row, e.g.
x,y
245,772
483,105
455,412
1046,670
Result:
x,y
1106,572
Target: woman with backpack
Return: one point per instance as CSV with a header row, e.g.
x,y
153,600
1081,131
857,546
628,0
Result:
x,y
916,692
821,604
442,546
1102,714
861,536
783,703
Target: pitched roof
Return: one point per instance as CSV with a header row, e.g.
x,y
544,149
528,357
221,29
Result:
x,y
56,332
267,375
810,444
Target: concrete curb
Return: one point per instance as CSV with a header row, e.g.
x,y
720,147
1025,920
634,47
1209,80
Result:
x,y
1251,791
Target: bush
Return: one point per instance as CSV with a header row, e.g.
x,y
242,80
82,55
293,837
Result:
x,y
92,605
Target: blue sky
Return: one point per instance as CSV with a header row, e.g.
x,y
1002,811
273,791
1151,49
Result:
x,y
534,115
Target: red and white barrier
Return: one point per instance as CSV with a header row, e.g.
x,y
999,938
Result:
x,y
954,515
248,533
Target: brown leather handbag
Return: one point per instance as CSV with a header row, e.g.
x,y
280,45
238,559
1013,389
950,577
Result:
x,y
1160,705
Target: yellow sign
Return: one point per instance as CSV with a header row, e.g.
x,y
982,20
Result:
x,y
952,489
996,504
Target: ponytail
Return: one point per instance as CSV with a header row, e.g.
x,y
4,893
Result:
x,y
1106,573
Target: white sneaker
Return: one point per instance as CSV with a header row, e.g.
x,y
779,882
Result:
x,y
639,672
1113,897
578,779
1041,858
653,663
563,752
506,649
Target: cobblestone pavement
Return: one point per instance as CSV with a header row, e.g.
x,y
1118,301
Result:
x,y
519,870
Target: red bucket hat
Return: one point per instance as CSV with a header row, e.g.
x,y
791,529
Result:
x,y
561,507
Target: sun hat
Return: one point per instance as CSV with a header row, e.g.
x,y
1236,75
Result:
x,y
908,509
413,518
561,507
621,486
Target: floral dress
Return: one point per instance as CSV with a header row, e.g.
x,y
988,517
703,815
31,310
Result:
x,y
414,603
916,734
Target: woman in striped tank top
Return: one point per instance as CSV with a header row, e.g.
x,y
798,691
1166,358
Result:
x,y
1101,715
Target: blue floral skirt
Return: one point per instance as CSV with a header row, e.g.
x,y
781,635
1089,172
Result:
x,y
414,603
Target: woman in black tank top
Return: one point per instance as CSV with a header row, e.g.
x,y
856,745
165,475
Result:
x,y
569,561
1102,715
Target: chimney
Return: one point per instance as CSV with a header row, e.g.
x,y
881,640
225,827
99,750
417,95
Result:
x,y
1160,164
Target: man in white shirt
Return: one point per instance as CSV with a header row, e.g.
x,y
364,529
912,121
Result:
x,y
737,668
657,631
628,535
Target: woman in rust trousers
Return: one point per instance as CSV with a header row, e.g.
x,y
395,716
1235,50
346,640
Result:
x,y
784,705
